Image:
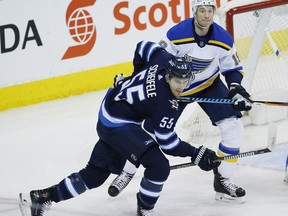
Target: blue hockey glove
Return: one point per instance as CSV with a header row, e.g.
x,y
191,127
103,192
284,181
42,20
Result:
x,y
204,158
118,79
242,97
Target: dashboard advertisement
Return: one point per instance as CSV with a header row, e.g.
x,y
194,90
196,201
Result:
x,y
52,49
40,39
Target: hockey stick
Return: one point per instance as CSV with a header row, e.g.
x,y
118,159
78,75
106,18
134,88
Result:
x,y
228,101
272,134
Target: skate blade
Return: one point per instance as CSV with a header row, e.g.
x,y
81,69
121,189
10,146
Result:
x,y
226,198
24,204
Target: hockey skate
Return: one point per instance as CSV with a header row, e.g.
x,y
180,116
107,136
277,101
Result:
x,y
119,183
227,191
39,202
144,212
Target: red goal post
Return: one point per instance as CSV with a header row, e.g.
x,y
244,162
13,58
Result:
x,y
249,7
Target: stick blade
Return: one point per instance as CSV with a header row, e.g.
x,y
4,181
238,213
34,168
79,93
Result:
x,y
24,204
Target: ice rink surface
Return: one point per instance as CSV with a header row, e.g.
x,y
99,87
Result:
x,y
43,143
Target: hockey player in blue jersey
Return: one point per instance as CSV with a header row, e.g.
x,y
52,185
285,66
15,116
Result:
x,y
210,50
146,94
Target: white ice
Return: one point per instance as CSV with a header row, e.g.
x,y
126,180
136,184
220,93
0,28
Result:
x,y
43,143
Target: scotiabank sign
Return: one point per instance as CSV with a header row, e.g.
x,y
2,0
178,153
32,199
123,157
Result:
x,y
80,24
82,29
126,15
51,38
155,15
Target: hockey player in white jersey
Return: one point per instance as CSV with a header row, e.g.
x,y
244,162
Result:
x,y
209,49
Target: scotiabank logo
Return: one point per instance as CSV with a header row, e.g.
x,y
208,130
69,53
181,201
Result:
x,y
144,17
81,28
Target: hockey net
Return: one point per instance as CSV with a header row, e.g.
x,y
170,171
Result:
x,y
260,32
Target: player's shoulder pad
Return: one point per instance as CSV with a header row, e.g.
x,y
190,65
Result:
x,y
181,31
221,38
147,48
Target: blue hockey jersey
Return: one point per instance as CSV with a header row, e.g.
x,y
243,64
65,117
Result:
x,y
146,95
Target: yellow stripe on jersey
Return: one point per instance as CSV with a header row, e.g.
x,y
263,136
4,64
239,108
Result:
x,y
183,40
210,42
220,44
241,71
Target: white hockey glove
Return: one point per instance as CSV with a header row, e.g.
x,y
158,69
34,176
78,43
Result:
x,y
118,79
204,158
242,97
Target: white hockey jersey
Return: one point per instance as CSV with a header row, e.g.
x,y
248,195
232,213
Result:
x,y
209,56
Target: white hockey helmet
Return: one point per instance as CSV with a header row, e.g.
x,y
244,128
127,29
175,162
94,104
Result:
x,y
196,3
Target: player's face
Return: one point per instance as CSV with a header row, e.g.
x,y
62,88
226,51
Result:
x,y
205,15
177,85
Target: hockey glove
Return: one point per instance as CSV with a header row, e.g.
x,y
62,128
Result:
x,y
204,158
118,79
242,97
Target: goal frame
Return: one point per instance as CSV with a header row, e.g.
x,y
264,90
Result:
x,y
246,8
